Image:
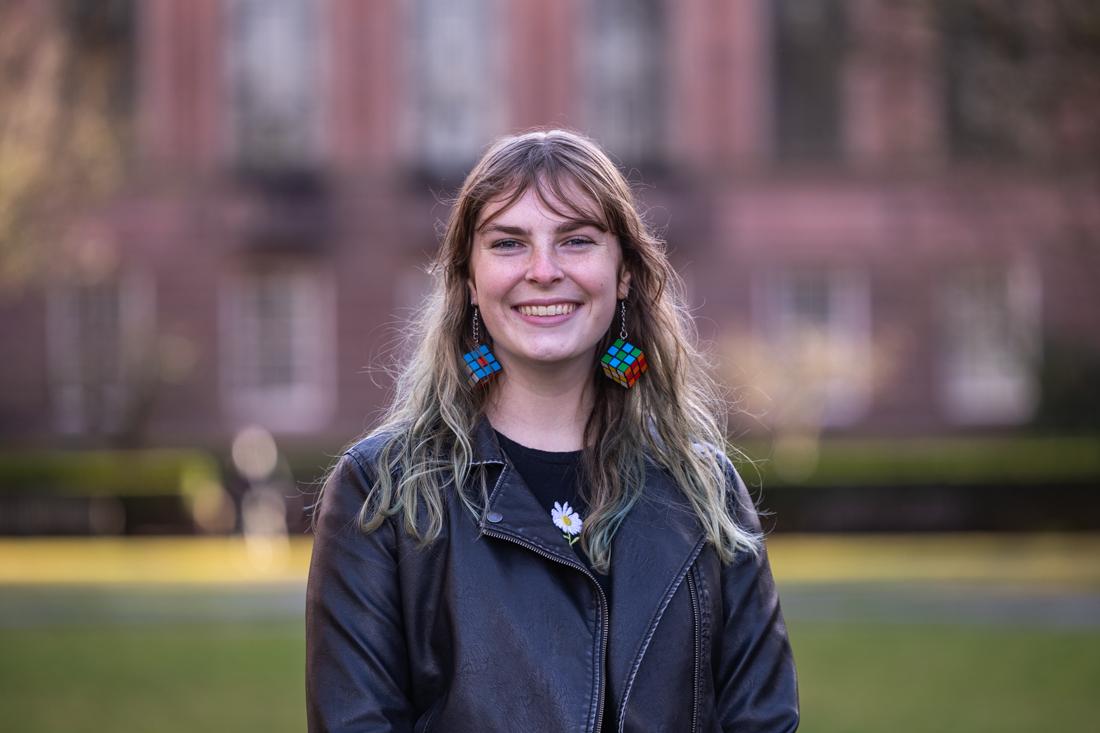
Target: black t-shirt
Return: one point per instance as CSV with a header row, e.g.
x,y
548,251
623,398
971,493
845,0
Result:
x,y
554,478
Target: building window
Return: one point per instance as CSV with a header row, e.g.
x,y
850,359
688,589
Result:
x,y
623,76
455,62
990,82
274,82
808,62
816,323
278,342
990,326
101,340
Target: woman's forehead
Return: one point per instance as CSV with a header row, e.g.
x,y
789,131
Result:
x,y
563,198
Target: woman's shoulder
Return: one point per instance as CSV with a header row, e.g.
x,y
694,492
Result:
x,y
367,451
720,455
739,501
354,472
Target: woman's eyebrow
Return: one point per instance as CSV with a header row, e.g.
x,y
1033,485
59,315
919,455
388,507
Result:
x,y
575,224
564,227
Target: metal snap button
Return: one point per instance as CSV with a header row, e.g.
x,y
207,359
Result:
x,y
494,517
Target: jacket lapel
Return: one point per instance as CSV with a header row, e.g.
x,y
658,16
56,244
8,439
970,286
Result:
x,y
651,553
513,509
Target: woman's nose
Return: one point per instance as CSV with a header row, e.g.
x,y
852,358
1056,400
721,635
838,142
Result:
x,y
543,265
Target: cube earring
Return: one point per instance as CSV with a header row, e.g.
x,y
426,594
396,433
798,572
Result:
x,y
480,363
624,362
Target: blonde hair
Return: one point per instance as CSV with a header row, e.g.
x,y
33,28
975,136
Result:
x,y
672,416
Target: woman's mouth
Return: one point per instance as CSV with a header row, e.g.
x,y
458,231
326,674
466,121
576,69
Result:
x,y
542,311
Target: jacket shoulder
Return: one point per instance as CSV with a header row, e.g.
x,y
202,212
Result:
x,y
740,503
367,451
351,477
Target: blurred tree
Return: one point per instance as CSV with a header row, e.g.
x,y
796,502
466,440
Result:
x,y
65,122
66,131
809,51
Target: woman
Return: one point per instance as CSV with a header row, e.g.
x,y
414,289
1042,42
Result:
x,y
544,534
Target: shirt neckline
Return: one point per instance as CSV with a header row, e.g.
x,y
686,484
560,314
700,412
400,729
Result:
x,y
555,457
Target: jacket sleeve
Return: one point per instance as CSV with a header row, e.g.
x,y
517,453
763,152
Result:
x,y
756,687
357,672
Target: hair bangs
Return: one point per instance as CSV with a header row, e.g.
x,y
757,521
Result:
x,y
569,199
559,190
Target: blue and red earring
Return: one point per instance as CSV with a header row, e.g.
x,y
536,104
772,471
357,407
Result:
x,y
480,363
624,362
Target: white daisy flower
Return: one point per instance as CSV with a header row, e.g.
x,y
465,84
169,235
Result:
x,y
567,520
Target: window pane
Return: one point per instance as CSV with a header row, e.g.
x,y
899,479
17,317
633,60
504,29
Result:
x,y
278,340
989,316
808,57
816,323
453,55
274,82
623,76
988,68
101,336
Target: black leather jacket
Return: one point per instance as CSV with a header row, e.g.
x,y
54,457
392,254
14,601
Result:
x,y
497,626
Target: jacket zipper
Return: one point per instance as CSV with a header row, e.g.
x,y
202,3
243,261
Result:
x,y
603,611
696,629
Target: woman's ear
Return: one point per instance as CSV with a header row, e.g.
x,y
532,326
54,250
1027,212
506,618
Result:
x,y
624,284
473,291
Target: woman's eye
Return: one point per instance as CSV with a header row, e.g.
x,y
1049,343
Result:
x,y
505,244
578,241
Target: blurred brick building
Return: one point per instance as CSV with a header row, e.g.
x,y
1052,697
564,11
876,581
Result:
x,y
884,213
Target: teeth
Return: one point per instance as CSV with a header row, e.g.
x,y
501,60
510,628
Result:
x,y
558,309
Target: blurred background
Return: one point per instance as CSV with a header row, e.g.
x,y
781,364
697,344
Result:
x,y
215,216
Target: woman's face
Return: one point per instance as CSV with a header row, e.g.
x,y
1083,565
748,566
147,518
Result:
x,y
546,286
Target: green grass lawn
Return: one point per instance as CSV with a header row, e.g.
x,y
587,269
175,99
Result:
x,y
162,679
248,677
897,679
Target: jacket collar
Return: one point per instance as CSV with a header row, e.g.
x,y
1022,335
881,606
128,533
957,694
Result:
x,y
485,444
652,551
513,509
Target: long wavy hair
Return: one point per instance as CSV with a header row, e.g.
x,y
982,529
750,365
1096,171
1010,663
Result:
x,y
673,415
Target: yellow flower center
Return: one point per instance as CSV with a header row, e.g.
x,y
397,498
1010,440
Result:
x,y
566,520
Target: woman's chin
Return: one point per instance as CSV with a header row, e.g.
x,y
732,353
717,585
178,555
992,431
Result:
x,y
549,359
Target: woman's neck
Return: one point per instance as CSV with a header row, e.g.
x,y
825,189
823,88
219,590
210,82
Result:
x,y
547,411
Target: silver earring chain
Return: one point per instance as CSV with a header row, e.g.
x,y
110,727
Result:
x,y
477,328
622,320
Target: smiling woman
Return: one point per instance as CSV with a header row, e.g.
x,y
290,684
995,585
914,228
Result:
x,y
538,548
